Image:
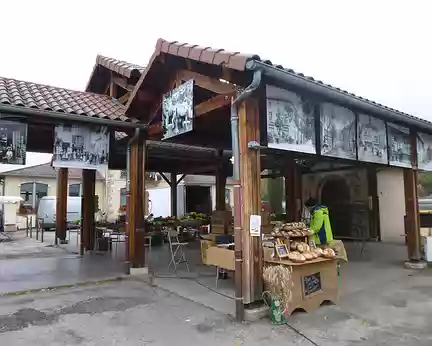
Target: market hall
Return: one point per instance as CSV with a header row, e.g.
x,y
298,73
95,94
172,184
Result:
x,y
196,110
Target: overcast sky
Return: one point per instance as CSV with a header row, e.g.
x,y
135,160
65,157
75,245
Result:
x,y
377,49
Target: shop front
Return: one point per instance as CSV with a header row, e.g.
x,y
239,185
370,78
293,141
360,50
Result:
x,y
324,143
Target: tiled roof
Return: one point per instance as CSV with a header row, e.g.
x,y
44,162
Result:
x,y
220,57
46,171
48,98
238,61
123,68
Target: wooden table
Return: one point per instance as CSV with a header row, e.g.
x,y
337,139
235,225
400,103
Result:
x,y
314,282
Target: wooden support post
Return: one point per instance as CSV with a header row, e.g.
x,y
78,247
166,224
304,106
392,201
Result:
x,y
293,193
173,194
220,189
61,205
412,224
88,208
135,217
250,171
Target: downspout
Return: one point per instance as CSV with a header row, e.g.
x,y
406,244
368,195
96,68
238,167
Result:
x,y
128,154
238,217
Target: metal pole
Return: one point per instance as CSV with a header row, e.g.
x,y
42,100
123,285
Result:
x,y
127,259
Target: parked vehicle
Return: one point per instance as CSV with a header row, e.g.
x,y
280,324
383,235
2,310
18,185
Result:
x,y
47,211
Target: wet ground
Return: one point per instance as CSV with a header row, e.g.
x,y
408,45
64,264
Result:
x,y
26,264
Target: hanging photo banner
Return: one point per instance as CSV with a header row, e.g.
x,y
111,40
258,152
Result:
x,y
290,121
424,151
79,146
13,142
338,132
399,143
178,110
371,139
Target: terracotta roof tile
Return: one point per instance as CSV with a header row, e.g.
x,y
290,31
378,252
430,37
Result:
x,y
123,68
44,97
236,61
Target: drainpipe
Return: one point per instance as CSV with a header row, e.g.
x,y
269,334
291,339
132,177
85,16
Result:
x,y
128,154
238,213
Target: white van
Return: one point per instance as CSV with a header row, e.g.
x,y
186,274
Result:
x,y
47,211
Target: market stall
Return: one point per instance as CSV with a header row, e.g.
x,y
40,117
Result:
x,y
312,275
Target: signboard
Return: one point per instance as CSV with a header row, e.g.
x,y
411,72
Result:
x,y
13,142
399,144
371,139
290,121
178,110
424,151
338,132
312,284
79,146
255,225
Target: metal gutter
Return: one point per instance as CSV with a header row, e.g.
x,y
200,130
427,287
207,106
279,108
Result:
x,y
298,81
70,117
238,228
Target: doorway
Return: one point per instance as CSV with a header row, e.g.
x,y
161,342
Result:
x,y
335,195
198,199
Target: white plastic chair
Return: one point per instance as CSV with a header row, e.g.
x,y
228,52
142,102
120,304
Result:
x,y
177,249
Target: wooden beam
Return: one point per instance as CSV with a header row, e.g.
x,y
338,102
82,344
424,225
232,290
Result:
x,y
135,217
113,90
201,109
174,194
206,82
122,82
293,193
123,99
164,177
61,204
212,104
412,211
249,130
221,180
181,178
88,226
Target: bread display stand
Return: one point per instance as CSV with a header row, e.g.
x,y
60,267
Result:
x,y
314,281
314,278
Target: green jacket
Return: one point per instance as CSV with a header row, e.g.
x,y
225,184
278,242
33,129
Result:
x,y
320,225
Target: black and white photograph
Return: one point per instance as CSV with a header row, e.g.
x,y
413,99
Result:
x,y
424,151
338,132
371,139
79,146
290,121
178,110
13,142
399,143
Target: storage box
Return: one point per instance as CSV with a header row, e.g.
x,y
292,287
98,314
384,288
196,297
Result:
x,y
205,244
221,257
221,221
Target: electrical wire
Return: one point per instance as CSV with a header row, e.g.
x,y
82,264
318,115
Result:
x,y
301,334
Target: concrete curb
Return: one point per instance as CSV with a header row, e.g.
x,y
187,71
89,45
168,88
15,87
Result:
x,y
66,286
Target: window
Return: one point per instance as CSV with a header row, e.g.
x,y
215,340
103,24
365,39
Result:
x,y
123,197
75,190
228,196
32,193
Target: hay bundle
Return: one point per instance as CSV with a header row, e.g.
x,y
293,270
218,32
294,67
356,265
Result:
x,y
278,283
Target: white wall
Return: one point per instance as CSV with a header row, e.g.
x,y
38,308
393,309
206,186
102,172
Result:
x,y
13,186
391,196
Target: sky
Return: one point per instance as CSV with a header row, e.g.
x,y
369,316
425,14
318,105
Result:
x,y
377,49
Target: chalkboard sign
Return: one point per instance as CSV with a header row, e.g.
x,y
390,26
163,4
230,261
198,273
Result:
x,y
312,284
